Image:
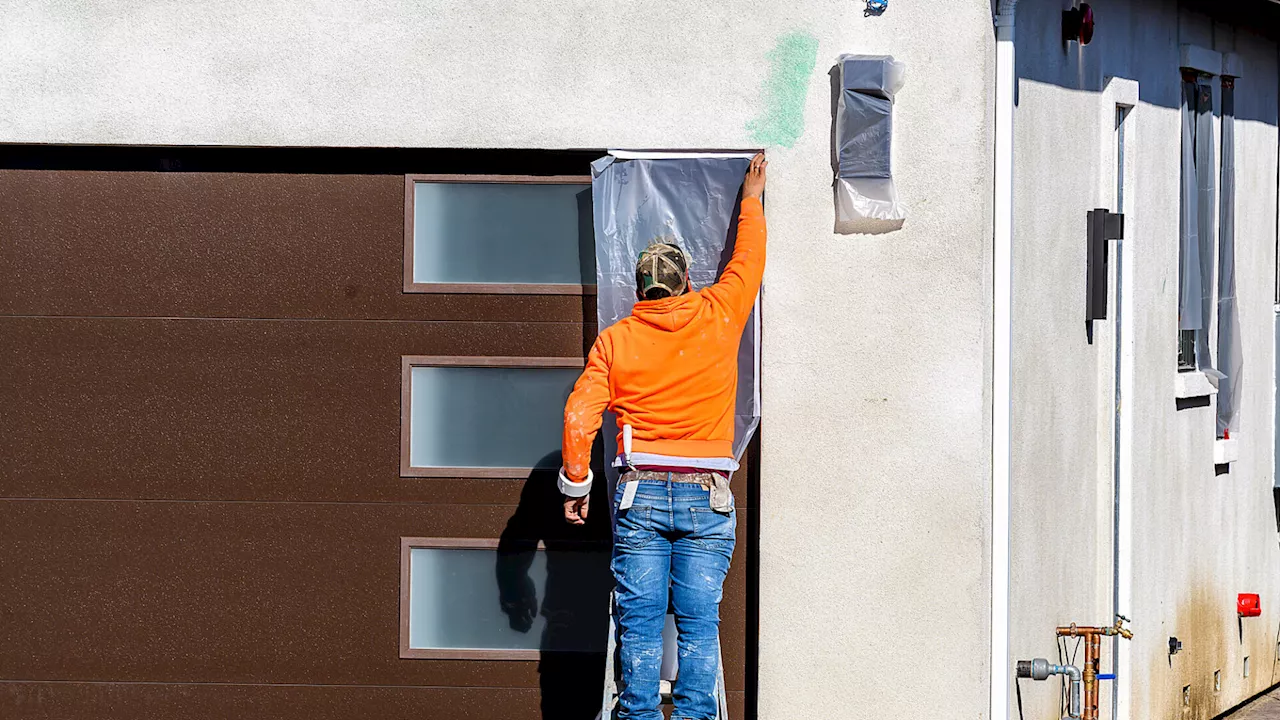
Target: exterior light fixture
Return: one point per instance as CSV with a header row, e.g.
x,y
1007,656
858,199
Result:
x,y
1103,225
1077,24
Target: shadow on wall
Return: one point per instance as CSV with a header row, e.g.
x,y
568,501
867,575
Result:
x,y
1131,42
1275,497
575,591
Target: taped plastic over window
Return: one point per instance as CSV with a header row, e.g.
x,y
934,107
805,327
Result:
x,y
864,134
1205,191
1230,355
694,197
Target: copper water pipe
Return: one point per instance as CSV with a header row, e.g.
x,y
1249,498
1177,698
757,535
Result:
x,y
1092,658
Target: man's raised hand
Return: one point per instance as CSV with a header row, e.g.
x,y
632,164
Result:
x,y
753,185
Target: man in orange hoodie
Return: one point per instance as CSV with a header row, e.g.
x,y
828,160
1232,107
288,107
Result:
x,y
670,374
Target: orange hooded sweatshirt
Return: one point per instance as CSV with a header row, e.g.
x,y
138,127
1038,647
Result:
x,y
670,370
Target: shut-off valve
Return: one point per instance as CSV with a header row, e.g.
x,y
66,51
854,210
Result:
x,y
1040,669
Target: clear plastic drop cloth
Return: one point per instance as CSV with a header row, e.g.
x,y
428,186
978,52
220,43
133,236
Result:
x,y
864,135
693,197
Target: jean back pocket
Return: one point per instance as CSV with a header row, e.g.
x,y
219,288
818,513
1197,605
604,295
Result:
x,y
634,527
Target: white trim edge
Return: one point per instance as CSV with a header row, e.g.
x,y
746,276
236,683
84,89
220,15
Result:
x,y
1002,363
1192,385
573,489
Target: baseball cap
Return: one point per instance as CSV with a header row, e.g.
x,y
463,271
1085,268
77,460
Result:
x,y
663,265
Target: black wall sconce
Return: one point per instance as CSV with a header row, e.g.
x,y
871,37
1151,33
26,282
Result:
x,y
1104,225
1077,24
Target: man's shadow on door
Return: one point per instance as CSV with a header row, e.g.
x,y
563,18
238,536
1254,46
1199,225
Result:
x,y
570,600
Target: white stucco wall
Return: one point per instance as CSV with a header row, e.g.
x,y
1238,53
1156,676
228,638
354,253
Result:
x,y
1198,538
875,484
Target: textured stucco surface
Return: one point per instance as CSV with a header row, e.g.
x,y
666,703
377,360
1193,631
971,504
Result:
x,y
875,482
1198,537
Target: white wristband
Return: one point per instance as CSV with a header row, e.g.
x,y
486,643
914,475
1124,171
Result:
x,y
574,489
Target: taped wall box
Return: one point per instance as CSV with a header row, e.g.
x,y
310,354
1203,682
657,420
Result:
x,y
693,197
864,134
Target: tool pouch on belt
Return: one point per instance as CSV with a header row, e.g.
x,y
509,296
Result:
x,y
721,497
716,485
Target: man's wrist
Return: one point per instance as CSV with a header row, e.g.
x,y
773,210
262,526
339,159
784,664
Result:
x,y
574,489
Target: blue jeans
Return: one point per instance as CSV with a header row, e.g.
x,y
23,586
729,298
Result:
x,y
670,543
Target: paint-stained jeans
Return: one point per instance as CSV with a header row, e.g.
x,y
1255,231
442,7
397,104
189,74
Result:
x,y
670,540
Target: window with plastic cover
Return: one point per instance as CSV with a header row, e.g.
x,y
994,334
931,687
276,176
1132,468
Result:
x,y
499,234
483,416
1196,292
502,599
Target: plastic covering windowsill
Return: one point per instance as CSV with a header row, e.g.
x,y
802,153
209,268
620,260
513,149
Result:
x,y
1193,384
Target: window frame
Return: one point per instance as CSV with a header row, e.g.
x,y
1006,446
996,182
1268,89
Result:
x,y
408,544
408,362
410,286
1187,351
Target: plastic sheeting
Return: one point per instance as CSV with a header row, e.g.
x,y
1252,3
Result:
x,y
864,134
694,197
1195,220
1205,182
1189,317
1230,358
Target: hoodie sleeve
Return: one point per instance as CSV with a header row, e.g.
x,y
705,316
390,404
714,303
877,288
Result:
x,y
584,410
740,282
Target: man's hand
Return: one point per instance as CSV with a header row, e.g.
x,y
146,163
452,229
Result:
x,y
575,509
753,185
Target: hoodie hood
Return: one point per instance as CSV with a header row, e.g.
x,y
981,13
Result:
x,y
669,314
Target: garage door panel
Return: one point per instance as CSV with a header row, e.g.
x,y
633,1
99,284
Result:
x,y
248,245
44,701
230,409
238,592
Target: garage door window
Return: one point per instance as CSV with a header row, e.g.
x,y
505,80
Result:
x,y
499,234
492,599
483,416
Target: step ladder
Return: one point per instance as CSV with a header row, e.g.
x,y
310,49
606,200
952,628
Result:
x,y
609,702
669,667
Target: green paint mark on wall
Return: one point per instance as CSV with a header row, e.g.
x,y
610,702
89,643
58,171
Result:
x,y
790,66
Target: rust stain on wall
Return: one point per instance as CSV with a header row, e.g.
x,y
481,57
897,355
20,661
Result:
x,y
1206,628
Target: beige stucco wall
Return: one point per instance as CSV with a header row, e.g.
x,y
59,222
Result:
x,y
1198,538
875,482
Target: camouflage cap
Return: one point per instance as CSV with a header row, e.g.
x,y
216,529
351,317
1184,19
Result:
x,y
662,265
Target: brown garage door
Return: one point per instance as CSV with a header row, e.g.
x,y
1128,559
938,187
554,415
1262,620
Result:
x,y
206,493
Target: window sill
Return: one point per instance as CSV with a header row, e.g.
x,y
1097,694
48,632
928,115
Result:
x,y
1225,451
1193,384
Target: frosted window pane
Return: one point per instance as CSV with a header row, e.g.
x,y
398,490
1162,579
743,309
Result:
x,y
487,416
503,233
478,599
